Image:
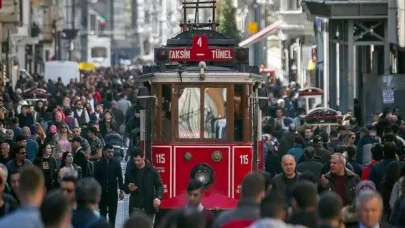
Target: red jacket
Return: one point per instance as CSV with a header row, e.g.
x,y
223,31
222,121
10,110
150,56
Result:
x,y
367,169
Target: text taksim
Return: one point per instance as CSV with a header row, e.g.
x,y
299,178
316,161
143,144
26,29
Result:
x,y
221,54
179,54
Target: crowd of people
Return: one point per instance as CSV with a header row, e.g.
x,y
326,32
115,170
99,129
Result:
x,y
60,164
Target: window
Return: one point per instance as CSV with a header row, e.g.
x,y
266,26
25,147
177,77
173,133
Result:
x,y
215,113
189,113
99,52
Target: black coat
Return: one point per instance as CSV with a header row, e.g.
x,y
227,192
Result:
x,y
152,185
109,175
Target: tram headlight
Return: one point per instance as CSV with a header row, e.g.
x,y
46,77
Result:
x,y
203,173
161,55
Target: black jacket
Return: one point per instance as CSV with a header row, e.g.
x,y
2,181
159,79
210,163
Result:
x,y
109,175
152,185
84,217
351,181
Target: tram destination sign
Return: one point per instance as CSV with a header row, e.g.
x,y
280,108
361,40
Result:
x,y
200,51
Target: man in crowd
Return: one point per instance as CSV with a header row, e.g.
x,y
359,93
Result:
x,y
304,203
68,186
88,195
143,182
273,212
19,161
56,211
369,209
285,181
329,210
195,193
340,179
248,208
30,192
109,174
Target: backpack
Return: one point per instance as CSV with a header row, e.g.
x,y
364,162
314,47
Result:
x,y
70,121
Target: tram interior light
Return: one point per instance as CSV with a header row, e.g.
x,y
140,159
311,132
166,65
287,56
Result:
x,y
203,173
242,55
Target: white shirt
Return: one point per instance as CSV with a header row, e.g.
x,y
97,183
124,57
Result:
x,y
199,208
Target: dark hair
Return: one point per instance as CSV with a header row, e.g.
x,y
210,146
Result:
x,y
63,160
305,194
309,152
18,148
299,140
330,206
377,151
70,178
138,219
14,120
67,111
137,152
194,184
272,205
390,149
334,134
108,147
351,151
340,149
53,208
309,176
93,130
252,185
42,149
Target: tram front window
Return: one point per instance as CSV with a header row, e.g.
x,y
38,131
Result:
x,y
189,113
215,113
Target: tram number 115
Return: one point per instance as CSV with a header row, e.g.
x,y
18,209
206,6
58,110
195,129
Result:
x,y
244,159
160,159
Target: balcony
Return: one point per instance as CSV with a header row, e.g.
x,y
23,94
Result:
x,y
347,9
10,13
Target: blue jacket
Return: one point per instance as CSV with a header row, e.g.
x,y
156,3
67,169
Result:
x,y
297,151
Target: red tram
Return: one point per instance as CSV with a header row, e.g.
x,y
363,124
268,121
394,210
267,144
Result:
x,y
202,114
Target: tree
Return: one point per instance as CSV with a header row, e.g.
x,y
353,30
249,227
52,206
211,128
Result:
x,y
227,20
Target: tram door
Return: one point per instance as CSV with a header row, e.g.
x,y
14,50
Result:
x,y
146,104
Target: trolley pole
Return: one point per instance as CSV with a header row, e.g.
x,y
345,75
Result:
x,y
257,46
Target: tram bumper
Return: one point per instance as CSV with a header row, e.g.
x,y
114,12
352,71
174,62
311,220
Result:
x,y
211,201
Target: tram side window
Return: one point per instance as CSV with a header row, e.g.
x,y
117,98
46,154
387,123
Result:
x,y
215,113
189,112
166,114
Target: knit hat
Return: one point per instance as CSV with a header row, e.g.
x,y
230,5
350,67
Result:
x,y
365,185
52,129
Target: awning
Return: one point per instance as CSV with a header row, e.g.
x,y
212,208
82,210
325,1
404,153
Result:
x,y
263,33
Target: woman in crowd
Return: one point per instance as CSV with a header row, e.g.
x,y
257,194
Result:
x,y
47,164
67,166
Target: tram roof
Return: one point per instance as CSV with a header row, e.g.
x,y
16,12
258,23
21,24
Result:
x,y
213,74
